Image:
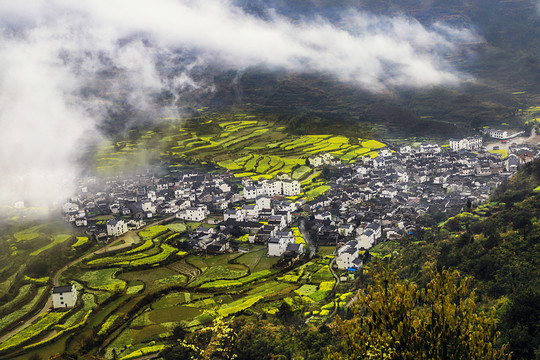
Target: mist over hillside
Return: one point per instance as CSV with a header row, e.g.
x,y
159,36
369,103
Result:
x,y
75,74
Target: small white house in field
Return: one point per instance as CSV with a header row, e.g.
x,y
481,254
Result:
x,y
64,296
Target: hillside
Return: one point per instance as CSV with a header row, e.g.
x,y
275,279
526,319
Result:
x,y
496,243
504,64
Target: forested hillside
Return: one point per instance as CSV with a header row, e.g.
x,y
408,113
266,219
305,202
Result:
x,y
499,245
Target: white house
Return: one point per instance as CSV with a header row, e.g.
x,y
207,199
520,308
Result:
x,y
116,227
379,162
376,228
147,206
250,192
346,229
323,216
470,143
64,296
263,202
405,149
193,213
277,246
316,161
366,240
81,222
270,188
430,148
234,214
348,257
496,133
250,211
385,153
291,187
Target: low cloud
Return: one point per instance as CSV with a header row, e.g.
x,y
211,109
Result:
x,y
65,66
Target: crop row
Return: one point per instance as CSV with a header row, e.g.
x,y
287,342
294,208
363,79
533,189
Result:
x,y
21,294
219,284
219,272
25,309
45,322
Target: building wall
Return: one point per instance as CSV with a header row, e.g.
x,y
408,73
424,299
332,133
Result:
x,y
63,300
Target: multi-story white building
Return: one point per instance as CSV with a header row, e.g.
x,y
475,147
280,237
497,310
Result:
x,y
263,202
470,143
496,133
116,227
234,214
64,296
348,257
277,246
291,187
250,192
194,213
430,148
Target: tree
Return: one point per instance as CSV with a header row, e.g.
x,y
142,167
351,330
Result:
x,y
394,319
212,342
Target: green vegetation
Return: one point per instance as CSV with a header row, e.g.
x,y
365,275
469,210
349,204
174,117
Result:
x,y
109,323
45,322
80,242
219,272
503,153
24,310
153,232
177,227
218,284
58,239
103,280
21,294
393,318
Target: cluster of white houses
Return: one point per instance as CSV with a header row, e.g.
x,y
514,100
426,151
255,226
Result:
x,y
371,200
280,186
469,143
501,134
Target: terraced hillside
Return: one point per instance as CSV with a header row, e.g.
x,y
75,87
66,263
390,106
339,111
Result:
x,y
133,300
243,144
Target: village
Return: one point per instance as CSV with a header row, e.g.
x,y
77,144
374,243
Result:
x,y
372,200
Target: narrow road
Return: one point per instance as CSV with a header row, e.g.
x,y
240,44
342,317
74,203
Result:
x,y
331,266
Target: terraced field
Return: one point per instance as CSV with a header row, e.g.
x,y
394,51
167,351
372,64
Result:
x,y
140,306
240,143
182,288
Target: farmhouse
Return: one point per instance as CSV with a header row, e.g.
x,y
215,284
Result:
x,y
64,296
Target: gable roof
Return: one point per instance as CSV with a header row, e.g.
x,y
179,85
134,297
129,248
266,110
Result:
x,y
62,289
